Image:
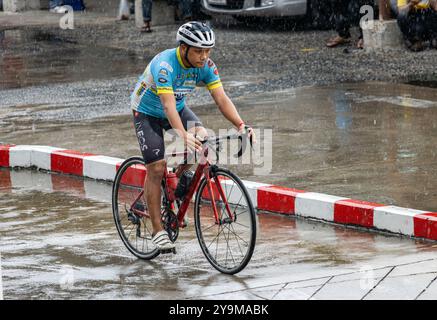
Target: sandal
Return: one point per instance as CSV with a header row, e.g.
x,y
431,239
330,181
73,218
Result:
x,y
360,43
333,42
417,46
146,28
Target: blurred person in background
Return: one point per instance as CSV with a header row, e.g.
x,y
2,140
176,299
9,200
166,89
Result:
x,y
417,20
346,12
127,9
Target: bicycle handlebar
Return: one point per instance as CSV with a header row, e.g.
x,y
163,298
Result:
x,y
240,136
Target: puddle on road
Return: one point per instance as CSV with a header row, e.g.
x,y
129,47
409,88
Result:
x,y
59,242
35,58
430,82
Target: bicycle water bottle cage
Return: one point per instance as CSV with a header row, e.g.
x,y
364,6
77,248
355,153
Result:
x,y
184,184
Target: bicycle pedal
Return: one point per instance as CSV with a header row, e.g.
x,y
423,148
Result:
x,y
184,223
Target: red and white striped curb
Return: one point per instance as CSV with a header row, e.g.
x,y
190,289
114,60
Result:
x,y
265,197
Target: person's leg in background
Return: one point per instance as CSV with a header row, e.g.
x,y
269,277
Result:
x,y
198,14
411,25
342,23
185,10
125,9
147,15
132,6
431,23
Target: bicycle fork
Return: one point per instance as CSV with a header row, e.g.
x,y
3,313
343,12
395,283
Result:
x,y
230,217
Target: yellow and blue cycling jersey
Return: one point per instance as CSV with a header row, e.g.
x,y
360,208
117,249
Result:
x,y
167,74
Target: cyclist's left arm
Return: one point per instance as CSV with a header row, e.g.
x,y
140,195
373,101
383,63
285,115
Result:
x,y
228,109
210,76
226,106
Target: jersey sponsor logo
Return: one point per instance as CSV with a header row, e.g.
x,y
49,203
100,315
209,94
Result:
x,y
166,65
185,90
216,71
162,80
141,89
186,32
141,138
190,83
210,63
180,96
163,72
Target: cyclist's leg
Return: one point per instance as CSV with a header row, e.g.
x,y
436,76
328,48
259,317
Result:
x,y
152,187
150,138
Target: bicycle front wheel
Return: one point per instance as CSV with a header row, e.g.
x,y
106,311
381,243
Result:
x,y
228,239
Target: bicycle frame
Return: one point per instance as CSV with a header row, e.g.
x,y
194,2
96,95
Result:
x,y
203,169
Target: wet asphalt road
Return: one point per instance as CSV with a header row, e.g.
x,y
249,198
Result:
x,y
372,141
59,242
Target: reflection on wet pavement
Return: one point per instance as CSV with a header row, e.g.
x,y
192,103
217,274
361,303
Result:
x,y
59,242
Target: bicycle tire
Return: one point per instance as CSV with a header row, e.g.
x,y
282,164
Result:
x,y
204,236
124,228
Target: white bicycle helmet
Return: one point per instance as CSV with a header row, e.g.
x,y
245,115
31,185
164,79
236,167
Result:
x,y
196,34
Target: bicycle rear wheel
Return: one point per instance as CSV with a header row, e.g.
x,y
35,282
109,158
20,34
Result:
x,y
130,210
228,242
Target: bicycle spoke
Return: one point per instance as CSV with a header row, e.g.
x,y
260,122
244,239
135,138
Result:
x,y
215,237
207,228
237,236
248,227
236,206
146,232
228,248
133,227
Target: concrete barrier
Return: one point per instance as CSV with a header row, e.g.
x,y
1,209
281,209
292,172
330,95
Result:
x,y
382,35
265,197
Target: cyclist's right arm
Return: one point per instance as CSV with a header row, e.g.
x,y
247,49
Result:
x,y
168,102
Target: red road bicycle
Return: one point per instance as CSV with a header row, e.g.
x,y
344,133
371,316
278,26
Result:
x,y
224,216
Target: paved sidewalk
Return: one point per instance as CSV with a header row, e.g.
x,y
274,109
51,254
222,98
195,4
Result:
x,y
39,18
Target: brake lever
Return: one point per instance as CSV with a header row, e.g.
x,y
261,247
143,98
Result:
x,y
243,141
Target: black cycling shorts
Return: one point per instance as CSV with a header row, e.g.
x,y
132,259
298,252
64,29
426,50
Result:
x,y
150,133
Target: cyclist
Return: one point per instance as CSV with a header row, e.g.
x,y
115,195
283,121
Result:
x,y
158,102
